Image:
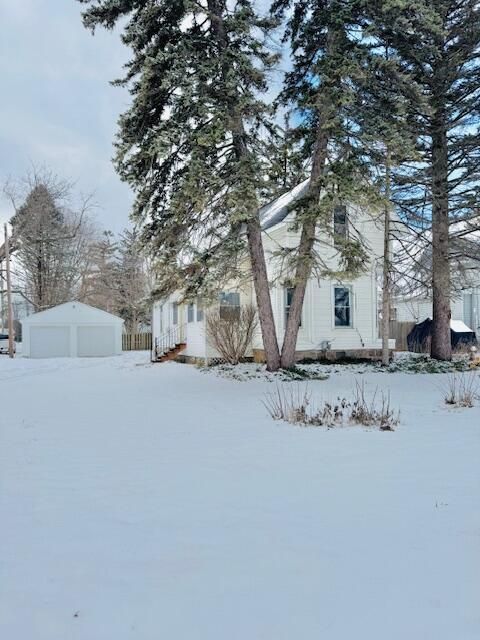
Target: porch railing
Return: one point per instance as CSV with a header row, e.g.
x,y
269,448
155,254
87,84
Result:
x,y
168,341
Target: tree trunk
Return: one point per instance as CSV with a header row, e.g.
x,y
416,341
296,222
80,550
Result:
x,y
326,111
386,271
441,348
305,252
262,293
254,232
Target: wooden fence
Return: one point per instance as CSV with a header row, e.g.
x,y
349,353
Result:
x,y
400,331
136,341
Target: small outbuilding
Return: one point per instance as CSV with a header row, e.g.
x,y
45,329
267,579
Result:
x,y
419,337
72,330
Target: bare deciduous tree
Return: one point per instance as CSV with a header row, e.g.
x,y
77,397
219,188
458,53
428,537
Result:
x,y
118,278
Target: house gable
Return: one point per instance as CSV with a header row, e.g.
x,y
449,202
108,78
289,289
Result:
x,y
76,312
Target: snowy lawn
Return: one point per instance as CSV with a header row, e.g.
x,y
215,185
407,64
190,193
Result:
x,y
156,501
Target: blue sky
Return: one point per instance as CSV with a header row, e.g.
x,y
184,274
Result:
x,y
57,106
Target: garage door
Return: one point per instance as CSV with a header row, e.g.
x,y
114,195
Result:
x,y
96,341
49,342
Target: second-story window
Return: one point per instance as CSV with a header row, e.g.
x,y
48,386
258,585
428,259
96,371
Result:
x,y
340,225
200,313
190,312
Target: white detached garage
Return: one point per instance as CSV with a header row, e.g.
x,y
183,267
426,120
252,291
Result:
x,y
73,330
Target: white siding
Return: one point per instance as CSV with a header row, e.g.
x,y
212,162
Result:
x,y
419,309
195,337
96,341
318,325
415,310
318,313
61,330
193,333
471,308
49,342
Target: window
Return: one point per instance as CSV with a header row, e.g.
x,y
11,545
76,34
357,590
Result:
x,y
190,312
229,305
340,225
175,312
343,306
288,302
199,311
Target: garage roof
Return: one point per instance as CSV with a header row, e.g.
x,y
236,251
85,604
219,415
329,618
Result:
x,y
72,313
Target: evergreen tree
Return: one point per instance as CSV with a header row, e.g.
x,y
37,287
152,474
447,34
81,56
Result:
x,y
329,56
438,44
188,145
284,164
388,137
37,225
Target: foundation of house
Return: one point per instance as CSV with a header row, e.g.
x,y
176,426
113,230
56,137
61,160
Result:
x,y
372,355
354,355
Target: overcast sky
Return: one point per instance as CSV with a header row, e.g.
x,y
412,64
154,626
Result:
x,y
57,107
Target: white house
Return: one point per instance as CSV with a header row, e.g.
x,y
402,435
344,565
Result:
x,y
340,317
72,329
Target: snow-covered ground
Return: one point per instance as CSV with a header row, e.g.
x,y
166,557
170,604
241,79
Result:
x,y
155,501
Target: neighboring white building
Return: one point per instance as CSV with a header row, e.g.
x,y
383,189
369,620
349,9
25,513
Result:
x,y
465,307
340,318
414,303
72,329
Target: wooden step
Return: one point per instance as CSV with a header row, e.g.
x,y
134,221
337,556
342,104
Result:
x,y
173,353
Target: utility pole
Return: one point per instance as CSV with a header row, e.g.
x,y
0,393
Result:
x,y
386,289
11,349
2,295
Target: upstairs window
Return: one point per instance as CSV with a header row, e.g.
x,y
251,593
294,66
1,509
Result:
x,y
288,303
174,312
340,225
343,306
229,305
200,313
190,312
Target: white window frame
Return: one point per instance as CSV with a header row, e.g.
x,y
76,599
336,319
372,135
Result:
x,y
340,236
200,311
286,307
191,312
175,314
231,307
352,307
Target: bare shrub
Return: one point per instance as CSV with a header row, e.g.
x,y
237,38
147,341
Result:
x,y
231,334
461,389
294,405
375,411
288,404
